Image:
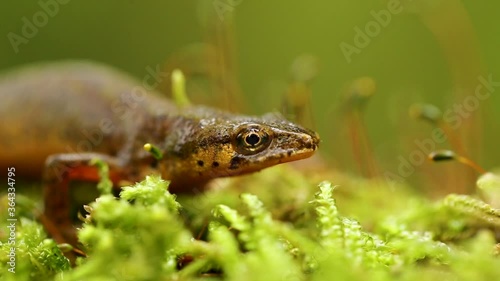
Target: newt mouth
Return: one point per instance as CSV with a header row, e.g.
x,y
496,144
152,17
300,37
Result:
x,y
309,144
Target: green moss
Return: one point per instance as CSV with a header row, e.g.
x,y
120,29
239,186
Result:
x,y
292,231
30,255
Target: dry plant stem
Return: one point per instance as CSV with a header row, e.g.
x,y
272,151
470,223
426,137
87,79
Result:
x,y
360,145
453,30
224,74
452,137
297,102
446,155
472,164
355,146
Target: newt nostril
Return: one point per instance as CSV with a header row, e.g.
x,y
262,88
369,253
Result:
x,y
311,141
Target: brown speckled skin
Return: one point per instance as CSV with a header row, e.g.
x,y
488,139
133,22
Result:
x,y
58,116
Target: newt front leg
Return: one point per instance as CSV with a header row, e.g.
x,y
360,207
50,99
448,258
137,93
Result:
x,y
60,171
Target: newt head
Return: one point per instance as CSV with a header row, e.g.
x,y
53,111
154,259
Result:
x,y
230,145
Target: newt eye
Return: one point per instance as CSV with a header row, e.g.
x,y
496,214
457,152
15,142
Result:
x,y
252,139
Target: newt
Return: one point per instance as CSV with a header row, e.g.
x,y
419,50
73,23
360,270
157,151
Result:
x,y
56,117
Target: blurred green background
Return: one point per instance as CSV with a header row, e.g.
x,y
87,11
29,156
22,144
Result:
x,y
429,52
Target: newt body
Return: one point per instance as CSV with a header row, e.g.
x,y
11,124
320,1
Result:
x,y
56,117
